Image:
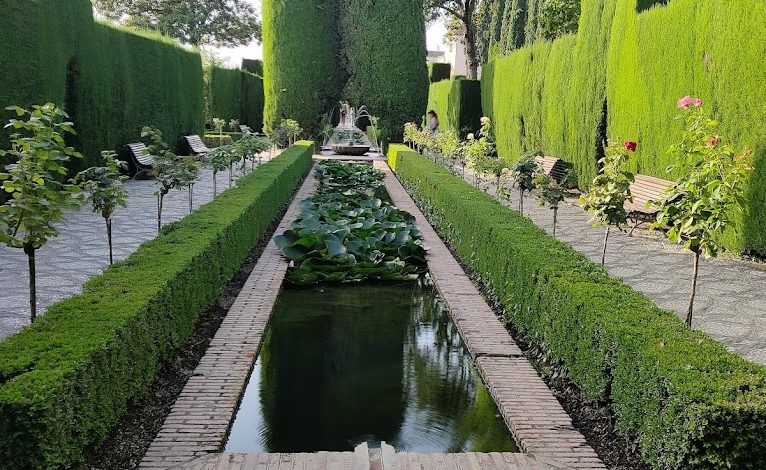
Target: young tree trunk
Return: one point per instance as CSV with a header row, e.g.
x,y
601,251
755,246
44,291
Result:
x,y
555,215
606,239
521,201
696,271
30,251
160,197
191,198
231,174
108,221
215,185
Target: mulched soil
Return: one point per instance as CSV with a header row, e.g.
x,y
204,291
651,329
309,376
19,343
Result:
x,y
131,437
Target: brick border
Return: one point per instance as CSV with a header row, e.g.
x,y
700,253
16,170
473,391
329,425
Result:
x,y
533,414
201,416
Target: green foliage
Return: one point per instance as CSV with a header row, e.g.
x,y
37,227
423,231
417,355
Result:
x,y
109,80
688,402
253,66
39,156
524,172
559,17
66,380
384,46
438,71
235,94
302,79
610,189
345,234
480,151
698,206
457,102
713,50
223,24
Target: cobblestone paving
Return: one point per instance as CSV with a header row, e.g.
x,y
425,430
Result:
x,y
731,301
81,250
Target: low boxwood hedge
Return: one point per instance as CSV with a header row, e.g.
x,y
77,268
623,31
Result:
x,y
689,402
66,380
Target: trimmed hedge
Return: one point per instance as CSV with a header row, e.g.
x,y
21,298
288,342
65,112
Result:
x,y
690,402
253,66
236,94
457,102
302,80
66,380
438,71
112,81
384,45
621,75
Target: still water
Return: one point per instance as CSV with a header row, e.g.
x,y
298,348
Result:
x,y
350,364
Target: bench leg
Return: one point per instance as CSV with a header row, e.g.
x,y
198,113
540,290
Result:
x,y
635,224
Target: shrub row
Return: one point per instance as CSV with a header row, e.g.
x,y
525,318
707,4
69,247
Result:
x,y
66,380
111,81
457,102
253,66
236,94
689,402
621,75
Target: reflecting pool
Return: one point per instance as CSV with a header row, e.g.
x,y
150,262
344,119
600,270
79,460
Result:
x,y
342,365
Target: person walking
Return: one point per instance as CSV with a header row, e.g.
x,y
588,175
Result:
x,y
433,122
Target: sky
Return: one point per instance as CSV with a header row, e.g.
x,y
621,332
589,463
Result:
x,y
234,56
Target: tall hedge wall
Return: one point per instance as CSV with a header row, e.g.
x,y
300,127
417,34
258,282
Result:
x,y
457,103
620,77
112,81
438,71
225,93
66,380
302,79
253,66
236,94
690,403
384,48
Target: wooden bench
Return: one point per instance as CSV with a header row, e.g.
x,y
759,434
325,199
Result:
x,y
645,189
554,167
245,129
141,158
196,145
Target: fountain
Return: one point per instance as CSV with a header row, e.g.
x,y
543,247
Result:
x,y
348,139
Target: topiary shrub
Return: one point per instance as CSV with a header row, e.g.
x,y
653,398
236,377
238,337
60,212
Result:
x,y
457,102
438,71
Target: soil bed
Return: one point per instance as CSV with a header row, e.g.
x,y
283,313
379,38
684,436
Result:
x,y
124,448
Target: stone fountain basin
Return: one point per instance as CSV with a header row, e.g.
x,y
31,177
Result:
x,y
353,150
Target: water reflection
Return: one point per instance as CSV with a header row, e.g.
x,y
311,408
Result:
x,y
343,365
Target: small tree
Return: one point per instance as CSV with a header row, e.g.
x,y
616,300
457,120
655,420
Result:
x,y
234,125
291,130
219,159
699,206
610,190
251,146
38,197
479,151
188,174
524,172
550,193
218,125
168,169
104,190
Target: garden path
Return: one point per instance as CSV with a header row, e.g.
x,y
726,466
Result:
x,y
81,250
731,297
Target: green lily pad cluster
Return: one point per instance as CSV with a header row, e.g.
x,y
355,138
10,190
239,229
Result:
x,y
346,234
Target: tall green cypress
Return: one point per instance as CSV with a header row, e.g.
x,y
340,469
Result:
x,y
384,49
302,80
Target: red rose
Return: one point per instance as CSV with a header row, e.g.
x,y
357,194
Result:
x,y
631,146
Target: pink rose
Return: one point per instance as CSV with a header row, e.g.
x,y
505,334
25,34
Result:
x,y
631,146
687,101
